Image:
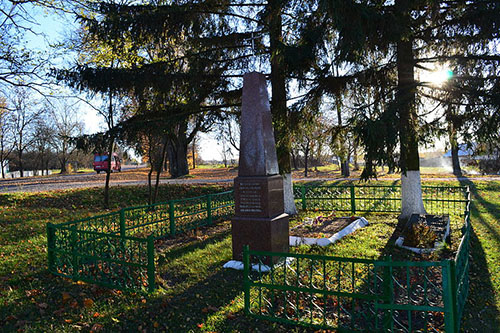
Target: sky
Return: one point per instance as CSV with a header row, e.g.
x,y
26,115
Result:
x,y
53,28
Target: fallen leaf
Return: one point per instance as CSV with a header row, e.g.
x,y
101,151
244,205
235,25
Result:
x,y
88,303
96,328
65,297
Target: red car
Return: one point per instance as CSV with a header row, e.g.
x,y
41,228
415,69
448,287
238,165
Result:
x,y
101,163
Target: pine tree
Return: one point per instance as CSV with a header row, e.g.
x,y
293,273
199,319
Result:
x,y
406,36
221,38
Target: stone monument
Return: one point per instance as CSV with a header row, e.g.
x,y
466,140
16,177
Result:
x,y
259,220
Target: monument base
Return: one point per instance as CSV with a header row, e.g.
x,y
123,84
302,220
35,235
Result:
x,y
261,234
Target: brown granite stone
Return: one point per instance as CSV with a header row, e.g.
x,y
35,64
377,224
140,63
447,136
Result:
x,y
258,196
259,219
257,147
261,234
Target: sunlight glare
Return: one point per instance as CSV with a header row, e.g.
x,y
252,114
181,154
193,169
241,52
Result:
x,y
438,76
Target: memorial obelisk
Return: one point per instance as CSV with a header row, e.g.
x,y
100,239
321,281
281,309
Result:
x,y
259,220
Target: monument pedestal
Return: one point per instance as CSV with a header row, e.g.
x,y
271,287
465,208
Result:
x,y
259,220
260,234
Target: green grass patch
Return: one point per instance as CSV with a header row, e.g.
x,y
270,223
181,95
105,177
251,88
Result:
x,y
195,293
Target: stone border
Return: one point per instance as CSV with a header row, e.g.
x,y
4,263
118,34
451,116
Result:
x,y
438,244
262,268
353,226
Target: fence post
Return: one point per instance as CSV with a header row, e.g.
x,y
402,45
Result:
x,y
450,296
467,206
353,200
51,237
171,214
74,253
246,278
209,208
122,222
151,263
303,196
388,291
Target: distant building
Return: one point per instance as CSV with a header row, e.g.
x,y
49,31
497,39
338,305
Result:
x,y
463,152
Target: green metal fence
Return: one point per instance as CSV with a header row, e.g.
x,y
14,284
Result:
x,y
116,250
352,294
376,198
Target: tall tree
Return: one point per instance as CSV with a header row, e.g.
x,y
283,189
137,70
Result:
x,y
43,134
227,35
406,35
24,117
6,135
67,126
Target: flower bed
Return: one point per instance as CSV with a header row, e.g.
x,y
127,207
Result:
x,y
425,233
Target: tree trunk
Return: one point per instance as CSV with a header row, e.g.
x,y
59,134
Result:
x,y
355,156
306,161
63,165
21,167
278,104
457,170
193,152
411,187
344,158
452,134
150,172
344,167
108,175
159,169
390,170
2,166
294,161
110,151
177,156
150,187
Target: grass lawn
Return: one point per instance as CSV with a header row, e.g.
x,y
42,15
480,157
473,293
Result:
x,y
195,293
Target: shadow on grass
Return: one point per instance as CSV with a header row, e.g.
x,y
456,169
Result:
x,y
478,200
196,245
481,313
210,302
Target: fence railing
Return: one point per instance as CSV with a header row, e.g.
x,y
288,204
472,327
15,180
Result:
x,y
116,250
376,198
354,294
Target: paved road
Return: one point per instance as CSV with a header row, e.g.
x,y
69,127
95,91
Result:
x,y
61,182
